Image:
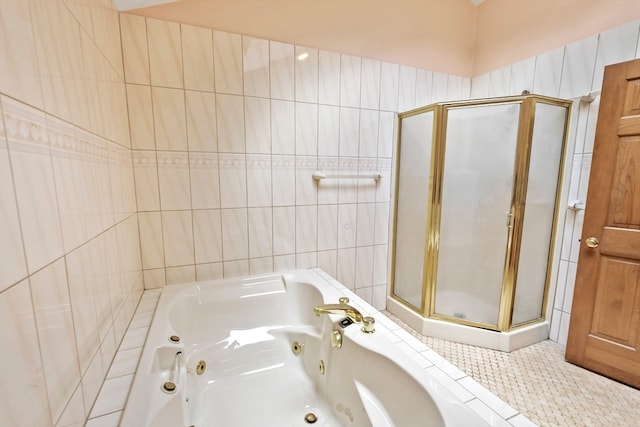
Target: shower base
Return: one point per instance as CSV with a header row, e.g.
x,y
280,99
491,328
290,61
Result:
x,y
503,341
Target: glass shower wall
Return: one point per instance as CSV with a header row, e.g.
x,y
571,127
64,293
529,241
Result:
x,y
537,229
476,191
477,187
413,194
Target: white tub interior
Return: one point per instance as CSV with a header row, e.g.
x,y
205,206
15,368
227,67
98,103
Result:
x,y
243,329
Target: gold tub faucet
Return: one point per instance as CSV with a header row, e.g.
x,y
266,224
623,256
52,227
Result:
x,y
341,308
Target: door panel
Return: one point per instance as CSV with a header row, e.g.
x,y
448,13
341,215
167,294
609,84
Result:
x,y
604,333
625,202
614,303
620,242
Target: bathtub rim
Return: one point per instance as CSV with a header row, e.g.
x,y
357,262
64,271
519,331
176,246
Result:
x,y
479,403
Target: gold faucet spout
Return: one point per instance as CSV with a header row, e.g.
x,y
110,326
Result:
x,y
351,312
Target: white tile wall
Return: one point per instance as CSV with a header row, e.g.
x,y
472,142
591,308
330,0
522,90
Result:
x,y
26,400
54,321
256,67
202,129
70,270
329,78
234,161
281,68
521,77
13,265
197,51
228,64
164,44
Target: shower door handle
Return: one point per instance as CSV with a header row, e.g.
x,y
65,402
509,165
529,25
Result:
x,y
509,220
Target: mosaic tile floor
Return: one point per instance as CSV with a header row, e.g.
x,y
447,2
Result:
x,y
538,382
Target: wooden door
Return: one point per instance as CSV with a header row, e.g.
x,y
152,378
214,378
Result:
x,y
604,332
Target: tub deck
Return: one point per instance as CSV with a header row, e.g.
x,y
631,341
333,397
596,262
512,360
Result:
x,y
279,391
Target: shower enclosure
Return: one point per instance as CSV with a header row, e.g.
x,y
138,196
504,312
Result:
x,y
476,189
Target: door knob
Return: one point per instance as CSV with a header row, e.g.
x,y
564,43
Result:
x,y
592,242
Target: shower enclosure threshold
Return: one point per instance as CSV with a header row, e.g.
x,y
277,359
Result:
x,y
503,341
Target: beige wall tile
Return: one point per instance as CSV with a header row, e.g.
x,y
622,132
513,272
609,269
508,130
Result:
x,y
350,76
261,265
134,49
33,179
96,106
151,245
183,274
283,179
233,180
205,180
236,268
177,229
259,180
202,130
24,401
209,271
284,230
283,136
169,119
19,72
145,168
154,278
227,49
257,113
51,58
260,232
230,122
13,266
74,414
281,64
306,229
256,66
306,74
173,177
92,381
197,50
106,35
329,78
82,273
235,238
64,58
284,262
141,117
66,149
165,53
55,325
207,234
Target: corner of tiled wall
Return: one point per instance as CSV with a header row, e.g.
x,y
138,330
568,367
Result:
x,y
70,266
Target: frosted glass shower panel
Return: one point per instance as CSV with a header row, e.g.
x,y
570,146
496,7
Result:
x,y
413,196
476,202
537,229
475,217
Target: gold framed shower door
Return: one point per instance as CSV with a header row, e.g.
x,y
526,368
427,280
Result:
x,y
527,104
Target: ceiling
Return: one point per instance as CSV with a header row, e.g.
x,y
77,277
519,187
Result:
x,y
462,37
137,4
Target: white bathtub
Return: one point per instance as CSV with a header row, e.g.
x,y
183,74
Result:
x,y
244,330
